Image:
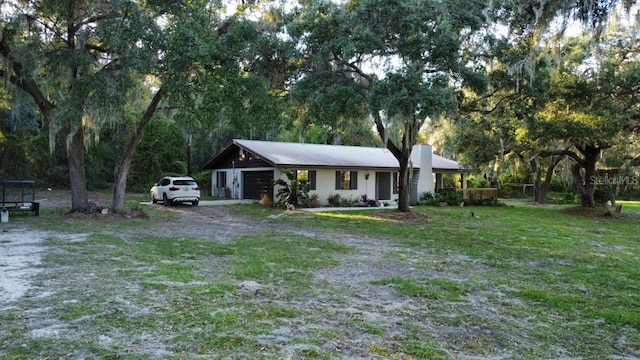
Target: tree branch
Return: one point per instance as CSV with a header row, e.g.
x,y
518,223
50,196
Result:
x,y
485,97
93,19
382,131
22,81
354,67
565,152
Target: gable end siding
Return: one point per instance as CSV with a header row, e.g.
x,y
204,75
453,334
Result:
x,y
233,160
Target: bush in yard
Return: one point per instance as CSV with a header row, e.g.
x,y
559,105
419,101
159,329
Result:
x,y
568,198
334,200
293,191
428,198
366,202
314,201
344,202
451,196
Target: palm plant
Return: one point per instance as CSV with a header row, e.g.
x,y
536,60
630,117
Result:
x,y
292,190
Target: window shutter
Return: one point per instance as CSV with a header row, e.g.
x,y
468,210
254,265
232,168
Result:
x,y
312,179
395,182
338,180
354,180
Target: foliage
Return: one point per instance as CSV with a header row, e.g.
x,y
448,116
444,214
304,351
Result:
x,y
449,196
563,105
324,72
569,198
431,199
292,190
314,201
108,65
80,63
477,182
160,153
334,109
418,51
365,201
266,201
334,200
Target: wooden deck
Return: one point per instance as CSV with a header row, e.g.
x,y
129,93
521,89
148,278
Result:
x,y
474,196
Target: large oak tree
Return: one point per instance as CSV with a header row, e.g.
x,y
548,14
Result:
x,y
91,64
77,60
400,60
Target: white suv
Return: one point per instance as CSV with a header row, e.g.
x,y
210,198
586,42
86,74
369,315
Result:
x,y
171,190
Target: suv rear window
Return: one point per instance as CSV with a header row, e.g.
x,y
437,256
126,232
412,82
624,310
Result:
x,y
184,182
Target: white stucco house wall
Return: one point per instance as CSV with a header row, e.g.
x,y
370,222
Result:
x,y
246,169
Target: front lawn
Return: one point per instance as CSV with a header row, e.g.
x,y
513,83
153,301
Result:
x,y
533,281
516,281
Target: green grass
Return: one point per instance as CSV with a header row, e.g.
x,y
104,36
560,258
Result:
x,y
276,257
434,288
570,269
516,281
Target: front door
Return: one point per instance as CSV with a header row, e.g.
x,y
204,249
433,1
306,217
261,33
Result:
x,y
383,186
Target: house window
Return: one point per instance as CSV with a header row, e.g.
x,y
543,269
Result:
x,y
221,179
309,176
346,180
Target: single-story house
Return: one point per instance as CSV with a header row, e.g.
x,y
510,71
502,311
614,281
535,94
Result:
x,y
246,169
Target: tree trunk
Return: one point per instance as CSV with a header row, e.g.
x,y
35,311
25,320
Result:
x,y
541,193
586,184
403,183
77,176
535,173
403,155
120,185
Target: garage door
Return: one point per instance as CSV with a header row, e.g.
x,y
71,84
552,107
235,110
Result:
x,y
256,183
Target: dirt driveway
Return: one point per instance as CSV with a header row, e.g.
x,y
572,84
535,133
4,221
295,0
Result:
x,y
21,247
23,278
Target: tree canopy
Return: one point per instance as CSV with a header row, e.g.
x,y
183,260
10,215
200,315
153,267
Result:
x,y
202,72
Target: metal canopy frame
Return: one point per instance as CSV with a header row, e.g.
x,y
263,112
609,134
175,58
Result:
x,y
19,195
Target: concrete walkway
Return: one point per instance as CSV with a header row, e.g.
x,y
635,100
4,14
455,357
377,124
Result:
x,y
225,202
319,209
246,201
210,202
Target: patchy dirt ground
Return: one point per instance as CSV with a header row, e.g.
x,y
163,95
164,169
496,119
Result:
x,y
21,252
347,314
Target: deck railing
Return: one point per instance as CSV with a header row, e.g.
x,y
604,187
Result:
x,y
479,195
